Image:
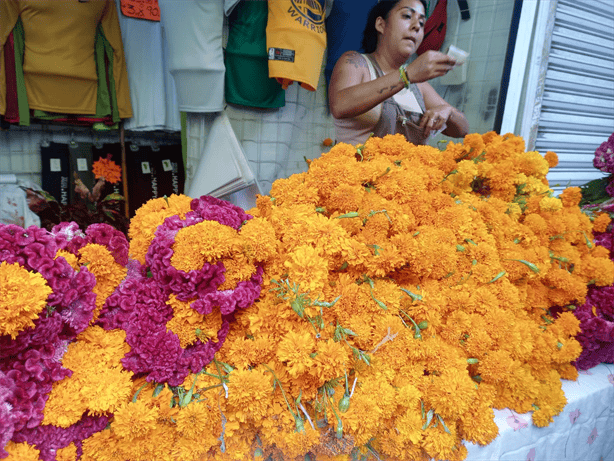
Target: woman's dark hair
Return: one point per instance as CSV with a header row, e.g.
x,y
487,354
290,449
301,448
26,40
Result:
x,y
381,8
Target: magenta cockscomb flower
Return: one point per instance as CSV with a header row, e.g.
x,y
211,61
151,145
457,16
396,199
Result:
x,y
139,307
214,209
7,415
48,438
186,285
70,237
71,303
596,317
33,372
604,156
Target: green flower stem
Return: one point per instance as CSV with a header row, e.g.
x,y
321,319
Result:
x,y
221,378
277,382
417,334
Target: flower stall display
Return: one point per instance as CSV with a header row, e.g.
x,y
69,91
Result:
x,y
376,306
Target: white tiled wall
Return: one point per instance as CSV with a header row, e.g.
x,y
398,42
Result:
x,y
485,37
276,142
20,155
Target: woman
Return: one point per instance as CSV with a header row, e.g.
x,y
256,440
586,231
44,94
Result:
x,y
379,93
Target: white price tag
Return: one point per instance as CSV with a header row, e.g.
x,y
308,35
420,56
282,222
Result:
x,y
458,54
167,165
407,100
145,168
55,165
81,164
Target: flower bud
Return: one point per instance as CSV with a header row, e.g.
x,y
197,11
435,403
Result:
x,y
344,403
339,429
300,426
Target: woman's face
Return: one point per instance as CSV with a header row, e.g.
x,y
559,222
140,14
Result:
x,y
404,27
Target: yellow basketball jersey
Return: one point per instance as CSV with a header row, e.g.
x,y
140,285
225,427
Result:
x,y
296,40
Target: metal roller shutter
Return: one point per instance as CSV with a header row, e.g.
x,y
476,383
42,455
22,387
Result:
x,y
577,110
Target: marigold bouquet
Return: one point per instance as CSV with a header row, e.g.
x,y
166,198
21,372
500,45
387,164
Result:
x,y
377,306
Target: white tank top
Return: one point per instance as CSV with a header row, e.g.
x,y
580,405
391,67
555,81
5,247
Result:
x,y
356,130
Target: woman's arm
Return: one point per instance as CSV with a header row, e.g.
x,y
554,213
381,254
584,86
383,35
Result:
x,y
351,91
439,112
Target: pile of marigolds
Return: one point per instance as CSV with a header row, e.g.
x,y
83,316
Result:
x,y
377,306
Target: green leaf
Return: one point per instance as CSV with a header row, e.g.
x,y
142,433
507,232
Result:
x,y
326,304
530,265
413,296
443,424
158,389
595,191
429,418
498,276
378,302
138,392
351,214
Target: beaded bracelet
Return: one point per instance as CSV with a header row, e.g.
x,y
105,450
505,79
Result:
x,y
403,74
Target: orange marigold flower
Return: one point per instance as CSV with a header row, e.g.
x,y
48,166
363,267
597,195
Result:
x,y
571,196
550,204
196,420
327,142
552,159
107,169
149,216
107,271
258,239
134,420
204,242
249,393
21,452
601,222
23,295
189,325
68,453
295,350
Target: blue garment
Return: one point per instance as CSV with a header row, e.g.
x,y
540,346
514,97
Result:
x,y
344,26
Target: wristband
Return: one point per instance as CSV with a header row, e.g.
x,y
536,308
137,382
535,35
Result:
x,y
403,74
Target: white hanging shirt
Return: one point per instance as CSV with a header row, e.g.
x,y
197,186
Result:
x,y
152,89
193,30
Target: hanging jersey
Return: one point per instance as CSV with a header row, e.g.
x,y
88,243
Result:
x,y
59,62
296,39
247,71
194,32
152,89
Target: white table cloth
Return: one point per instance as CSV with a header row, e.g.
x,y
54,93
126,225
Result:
x,y
583,431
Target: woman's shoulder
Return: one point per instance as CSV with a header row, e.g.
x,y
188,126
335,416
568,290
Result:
x,y
353,58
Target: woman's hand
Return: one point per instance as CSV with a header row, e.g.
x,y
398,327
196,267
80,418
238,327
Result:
x,y
435,118
429,65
